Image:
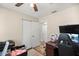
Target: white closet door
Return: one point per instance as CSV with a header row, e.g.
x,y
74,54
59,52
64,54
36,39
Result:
x,y
35,34
27,33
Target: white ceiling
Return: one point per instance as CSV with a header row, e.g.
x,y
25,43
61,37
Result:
x,y
44,9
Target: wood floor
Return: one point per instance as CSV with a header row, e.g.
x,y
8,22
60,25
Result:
x,y
37,51
40,49
33,52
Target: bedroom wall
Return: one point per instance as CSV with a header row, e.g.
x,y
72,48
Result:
x,y
11,25
65,17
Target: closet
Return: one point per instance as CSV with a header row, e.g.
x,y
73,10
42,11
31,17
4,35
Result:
x,y
31,34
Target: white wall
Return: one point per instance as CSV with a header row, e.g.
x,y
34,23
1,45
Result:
x,y
65,17
11,25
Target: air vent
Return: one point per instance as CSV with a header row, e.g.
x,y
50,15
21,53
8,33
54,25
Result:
x,y
54,11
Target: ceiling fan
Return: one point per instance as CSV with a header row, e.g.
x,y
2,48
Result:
x,y
34,6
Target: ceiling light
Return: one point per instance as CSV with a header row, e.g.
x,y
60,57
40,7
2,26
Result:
x,y
32,5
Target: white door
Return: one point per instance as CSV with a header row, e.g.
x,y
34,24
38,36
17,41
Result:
x,y
36,34
44,32
31,34
27,33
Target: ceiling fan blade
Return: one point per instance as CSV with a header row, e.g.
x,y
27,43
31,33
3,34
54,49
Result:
x,y
19,4
35,8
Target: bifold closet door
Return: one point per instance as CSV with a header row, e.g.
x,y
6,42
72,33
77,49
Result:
x,y
27,33
31,34
35,34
